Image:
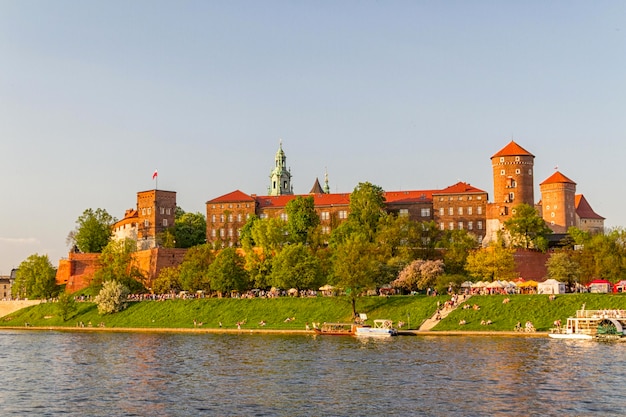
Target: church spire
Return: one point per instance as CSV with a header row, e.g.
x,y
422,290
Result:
x,y
280,177
326,186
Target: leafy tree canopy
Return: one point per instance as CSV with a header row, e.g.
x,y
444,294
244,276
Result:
x,y
419,274
302,218
168,281
189,229
35,278
227,272
194,270
367,206
93,231
562,267
493,263
527,228
116,264
296,267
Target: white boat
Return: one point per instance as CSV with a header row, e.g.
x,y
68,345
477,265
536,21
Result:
x,y
593,324
381,328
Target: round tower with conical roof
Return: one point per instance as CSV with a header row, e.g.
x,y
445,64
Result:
x,y
512,185
558,202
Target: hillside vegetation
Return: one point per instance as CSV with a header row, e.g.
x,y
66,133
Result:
x,y
412,310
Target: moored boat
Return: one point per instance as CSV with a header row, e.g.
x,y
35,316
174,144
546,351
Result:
x,y
593,324
336,329
381,328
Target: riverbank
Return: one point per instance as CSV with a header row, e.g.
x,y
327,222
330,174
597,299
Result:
x,y
293,314
422,333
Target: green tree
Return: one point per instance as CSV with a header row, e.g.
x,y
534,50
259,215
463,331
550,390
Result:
x,y
112,297
493,263
259,267
227,272
189,229
66,305
457,245
35,278
355,267
194,270
562,267
527,228
296,267
367,206
603,256
93,231
301,218
168,281
269,234
116,264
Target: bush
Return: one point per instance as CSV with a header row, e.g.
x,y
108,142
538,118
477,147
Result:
x,y
111,298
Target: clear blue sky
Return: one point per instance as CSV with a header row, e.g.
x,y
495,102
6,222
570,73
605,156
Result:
x,y
94,96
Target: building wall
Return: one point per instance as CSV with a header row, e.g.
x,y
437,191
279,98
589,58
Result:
x,y
78,270
461,211
224,220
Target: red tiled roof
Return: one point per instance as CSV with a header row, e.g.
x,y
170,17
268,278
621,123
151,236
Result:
x,y
512,149
459,188
584,210
557,178
233,197
277,201
415,196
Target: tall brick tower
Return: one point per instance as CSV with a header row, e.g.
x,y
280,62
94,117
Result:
x,y
512,185
558,202
156,211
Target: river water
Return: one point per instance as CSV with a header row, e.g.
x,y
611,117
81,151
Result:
x,y
131,374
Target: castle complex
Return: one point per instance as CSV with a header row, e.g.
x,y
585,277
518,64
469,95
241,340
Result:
x,y
460,206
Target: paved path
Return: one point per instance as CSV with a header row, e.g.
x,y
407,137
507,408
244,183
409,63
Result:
x,y
432,322
8,307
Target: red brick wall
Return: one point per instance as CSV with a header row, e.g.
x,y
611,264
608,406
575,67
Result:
x,y
532,265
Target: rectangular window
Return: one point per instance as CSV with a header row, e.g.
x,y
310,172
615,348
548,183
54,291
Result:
x,y
263,216
213,232
442,226
403,213
425,212
343,214
441,211
325,215
146,223
479,210
164,222
284,217
239,217
230,232
460,225
479,225
469,210
213,218
168,211
460,211
162,210
326,230
143,211
221,218
149,210
470,225
451,225
451,211
230,218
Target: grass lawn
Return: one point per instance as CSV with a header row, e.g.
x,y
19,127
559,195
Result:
x,y
412,310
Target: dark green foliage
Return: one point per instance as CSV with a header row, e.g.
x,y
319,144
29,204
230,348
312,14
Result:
x,y
35,278
93,230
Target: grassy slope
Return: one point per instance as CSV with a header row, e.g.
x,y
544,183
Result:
x,y
413,309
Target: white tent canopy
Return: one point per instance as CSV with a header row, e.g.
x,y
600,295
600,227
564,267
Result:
x,y
551,286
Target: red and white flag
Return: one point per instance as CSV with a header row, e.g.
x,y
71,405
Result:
x,y
156,174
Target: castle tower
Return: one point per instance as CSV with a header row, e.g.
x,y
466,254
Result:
x,y
280,177
558,202
512,185
156,211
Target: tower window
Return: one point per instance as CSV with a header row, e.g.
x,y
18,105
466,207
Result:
x,y
517,159
502,159
502,172
517,171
